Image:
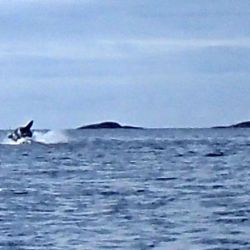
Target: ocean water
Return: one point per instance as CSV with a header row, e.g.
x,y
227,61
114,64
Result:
x,y
126,189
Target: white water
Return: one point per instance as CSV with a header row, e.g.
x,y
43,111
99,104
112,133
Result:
x,y
8,141
50,137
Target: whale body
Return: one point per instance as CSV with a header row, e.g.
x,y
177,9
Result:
x,y
22,132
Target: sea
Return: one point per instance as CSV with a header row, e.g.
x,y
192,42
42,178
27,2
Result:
x,y
126,189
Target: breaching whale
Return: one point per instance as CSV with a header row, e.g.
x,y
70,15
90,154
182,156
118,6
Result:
x,y
22,132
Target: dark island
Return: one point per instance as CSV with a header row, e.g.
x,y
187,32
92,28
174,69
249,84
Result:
x,y
108,125
237,125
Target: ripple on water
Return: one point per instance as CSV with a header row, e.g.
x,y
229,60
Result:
x,y
152,189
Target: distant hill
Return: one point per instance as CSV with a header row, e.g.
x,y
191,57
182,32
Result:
x,y
245,124
108,125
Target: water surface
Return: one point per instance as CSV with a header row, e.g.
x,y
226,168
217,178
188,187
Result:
x,y
127,189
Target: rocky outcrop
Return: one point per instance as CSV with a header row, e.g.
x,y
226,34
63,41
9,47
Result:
x,y
237,125
108,125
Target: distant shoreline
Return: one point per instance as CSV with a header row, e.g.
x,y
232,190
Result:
x,y
116,125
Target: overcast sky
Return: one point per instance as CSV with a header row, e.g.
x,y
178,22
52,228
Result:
x,y
152,63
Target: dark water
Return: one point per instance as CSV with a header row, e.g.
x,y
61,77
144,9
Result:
x,y
118,189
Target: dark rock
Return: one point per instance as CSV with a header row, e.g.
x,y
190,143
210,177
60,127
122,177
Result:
x,y
241,125
220,127
237,125
107,125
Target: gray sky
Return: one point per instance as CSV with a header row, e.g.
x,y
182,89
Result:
x,y
161,63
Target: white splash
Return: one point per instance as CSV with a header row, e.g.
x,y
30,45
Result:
x,y
50,137
8,141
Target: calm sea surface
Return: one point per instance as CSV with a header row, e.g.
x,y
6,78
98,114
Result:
x,y
126,189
